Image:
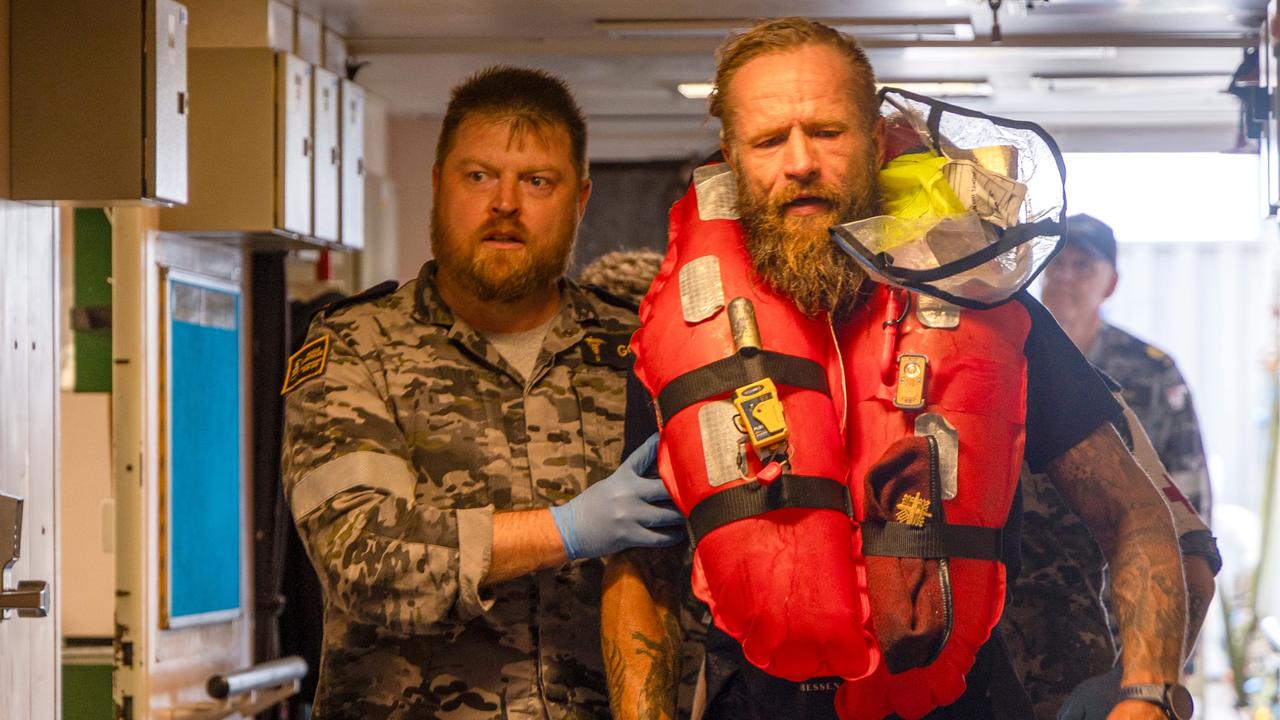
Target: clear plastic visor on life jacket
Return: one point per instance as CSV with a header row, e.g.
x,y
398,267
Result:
x,y
973,205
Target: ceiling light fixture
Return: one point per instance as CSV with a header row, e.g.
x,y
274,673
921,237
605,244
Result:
x,y
1129,84
976,54
696,90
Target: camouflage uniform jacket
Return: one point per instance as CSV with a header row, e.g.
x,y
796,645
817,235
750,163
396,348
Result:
x,y
405,432
1155,390
1053,622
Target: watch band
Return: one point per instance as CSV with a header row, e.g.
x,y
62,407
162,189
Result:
x,y
1173,699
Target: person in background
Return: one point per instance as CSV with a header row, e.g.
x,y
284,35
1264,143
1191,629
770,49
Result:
x,y
1076,284
1058,621
451,444
623,273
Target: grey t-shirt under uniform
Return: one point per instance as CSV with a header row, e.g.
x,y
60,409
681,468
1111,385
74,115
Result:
x,y
520,348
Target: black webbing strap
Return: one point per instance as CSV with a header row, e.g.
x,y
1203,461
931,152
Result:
x,y
1008,240
751,499
729,374
935,540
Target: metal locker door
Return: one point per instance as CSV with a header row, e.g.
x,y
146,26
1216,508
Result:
x,y
293,144
166,83
30,677
324,200
352,165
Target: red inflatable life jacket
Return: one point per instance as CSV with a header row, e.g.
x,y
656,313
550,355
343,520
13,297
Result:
x,y
777,556
937,400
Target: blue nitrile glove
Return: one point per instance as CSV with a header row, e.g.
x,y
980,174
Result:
x,y
1094,697
622,511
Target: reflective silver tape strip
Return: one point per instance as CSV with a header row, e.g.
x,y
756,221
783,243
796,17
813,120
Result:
x,y
723,444
935,313
701,291
717,191
375,471
948,450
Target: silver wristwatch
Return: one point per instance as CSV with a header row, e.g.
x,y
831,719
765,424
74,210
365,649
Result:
x,y
1174,699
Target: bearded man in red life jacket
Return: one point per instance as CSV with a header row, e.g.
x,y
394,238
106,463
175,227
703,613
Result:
x,y
803,137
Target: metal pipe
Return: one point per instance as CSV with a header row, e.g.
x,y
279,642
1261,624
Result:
x,y
742,324
263,675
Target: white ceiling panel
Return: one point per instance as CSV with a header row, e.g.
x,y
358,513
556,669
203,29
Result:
x,y
1066,63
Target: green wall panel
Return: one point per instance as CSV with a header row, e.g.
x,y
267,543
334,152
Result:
x,y
86,692
92,273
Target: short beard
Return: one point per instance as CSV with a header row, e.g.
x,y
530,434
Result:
x,y
493,277
796,256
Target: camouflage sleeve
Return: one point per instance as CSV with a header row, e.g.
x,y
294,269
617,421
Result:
x,y
1178,441
382,557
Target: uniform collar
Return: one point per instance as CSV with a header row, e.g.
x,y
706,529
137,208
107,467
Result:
x,y
428,306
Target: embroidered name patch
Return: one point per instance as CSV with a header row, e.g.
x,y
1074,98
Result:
x,y
610,350
307,363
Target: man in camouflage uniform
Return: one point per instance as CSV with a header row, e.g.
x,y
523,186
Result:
x,y
1076,284
1055,623
450,443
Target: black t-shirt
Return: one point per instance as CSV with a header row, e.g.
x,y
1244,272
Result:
x,y
1066,402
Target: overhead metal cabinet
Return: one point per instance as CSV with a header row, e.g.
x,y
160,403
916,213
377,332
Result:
x,y
353,180
327,158
98,112
251,146
294,146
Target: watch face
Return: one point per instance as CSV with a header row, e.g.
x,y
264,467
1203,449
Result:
x,y
1180,702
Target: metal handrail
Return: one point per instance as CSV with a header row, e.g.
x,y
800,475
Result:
x,y
263,675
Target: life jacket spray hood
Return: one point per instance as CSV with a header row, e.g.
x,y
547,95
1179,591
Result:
x,y
973,204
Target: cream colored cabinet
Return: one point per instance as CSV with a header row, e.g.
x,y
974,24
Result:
x,y
98,111
353,172
251,146
327,158
294,144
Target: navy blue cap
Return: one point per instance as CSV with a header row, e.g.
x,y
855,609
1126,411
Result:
x,y
1093,236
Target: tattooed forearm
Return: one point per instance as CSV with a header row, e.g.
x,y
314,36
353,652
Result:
x,y
1131,523
663,678
641,637
613,668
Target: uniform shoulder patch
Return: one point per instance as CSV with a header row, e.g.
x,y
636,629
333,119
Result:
x,y
305,364
611,299
1157,354
373,293
607,349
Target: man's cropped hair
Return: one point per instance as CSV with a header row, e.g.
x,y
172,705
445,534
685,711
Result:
x,y
528,98
780,35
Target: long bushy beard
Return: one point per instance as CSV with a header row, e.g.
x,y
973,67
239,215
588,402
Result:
x,y
795,255
499,277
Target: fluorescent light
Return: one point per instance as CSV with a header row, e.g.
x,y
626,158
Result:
x,y
926,55
1131,84
696,90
